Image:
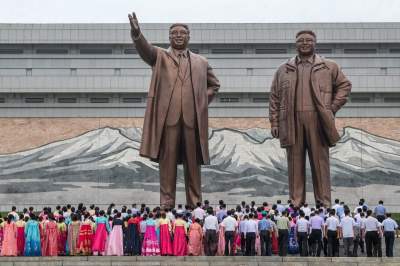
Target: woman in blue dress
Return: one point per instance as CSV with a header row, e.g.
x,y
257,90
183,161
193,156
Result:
x,y
32,237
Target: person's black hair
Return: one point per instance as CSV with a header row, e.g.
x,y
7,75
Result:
x,y
151,215
210,211
346,211
336,200
10,218
388,214
369,213
381,202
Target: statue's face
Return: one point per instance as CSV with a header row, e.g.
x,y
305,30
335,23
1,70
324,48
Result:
x,y
305,44
179,37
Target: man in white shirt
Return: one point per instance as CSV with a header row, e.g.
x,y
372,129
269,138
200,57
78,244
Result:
x,y
210,228
331,233
242,232
229,224
389,227
306,210
302,229
317,232
251,228
371,234
199,213
347,225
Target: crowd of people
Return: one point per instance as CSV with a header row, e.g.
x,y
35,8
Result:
x,y
246,230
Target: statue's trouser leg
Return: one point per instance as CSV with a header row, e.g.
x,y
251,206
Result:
x,y
309,136
169,154
318,154
191,165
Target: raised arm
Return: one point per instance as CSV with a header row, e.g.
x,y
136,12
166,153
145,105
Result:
x,y
146,51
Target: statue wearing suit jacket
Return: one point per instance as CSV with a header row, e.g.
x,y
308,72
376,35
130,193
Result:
x,y
306,93
175,126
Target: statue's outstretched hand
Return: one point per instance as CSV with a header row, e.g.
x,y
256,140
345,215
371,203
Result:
x,y
135,29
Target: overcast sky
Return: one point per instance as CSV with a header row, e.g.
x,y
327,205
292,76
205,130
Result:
x,y
239,11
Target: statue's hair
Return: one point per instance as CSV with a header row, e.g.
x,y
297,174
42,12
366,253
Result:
x,y
307,32
179,24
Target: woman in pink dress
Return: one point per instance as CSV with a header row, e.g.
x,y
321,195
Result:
x,y
1,233
100,237
9,247
115,244
165,235
20,235
195,245
50,245
150,245
180,232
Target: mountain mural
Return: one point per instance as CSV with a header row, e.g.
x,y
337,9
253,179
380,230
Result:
x,y
249,161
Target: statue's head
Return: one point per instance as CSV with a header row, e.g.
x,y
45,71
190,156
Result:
x,y
305,42
179,35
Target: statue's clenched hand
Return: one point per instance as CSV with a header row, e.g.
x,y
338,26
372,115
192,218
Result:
x,y
135,29
275,132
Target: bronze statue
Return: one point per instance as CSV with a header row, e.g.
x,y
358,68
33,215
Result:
x,y
306,93
175,128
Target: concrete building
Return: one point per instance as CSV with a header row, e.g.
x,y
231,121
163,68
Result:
x,y
92,70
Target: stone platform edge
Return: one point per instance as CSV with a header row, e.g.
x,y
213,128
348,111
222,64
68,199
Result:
x,y
194,261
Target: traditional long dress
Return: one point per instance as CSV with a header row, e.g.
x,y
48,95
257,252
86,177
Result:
x,y
9,247
85,237
195,239
165,237
221,241
150,246
179,243
73,234
1,234
20,237
115,245
100,237
50,245
41,230
61,238
32,239
132,246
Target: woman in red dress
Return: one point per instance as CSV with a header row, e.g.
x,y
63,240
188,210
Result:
x,y
86,236
180,232
61,236
165,235
20,235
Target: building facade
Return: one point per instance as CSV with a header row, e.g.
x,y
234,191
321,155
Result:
x,y
59,82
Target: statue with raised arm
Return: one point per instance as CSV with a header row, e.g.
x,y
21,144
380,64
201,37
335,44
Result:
x,y
175,129
306,93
